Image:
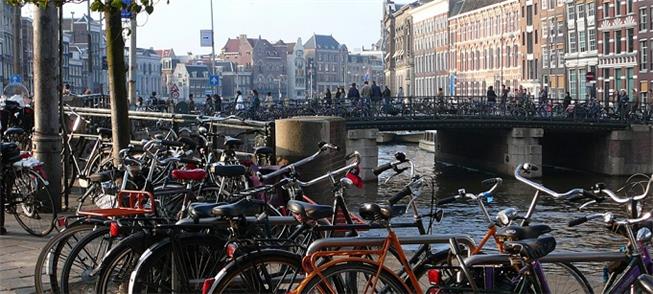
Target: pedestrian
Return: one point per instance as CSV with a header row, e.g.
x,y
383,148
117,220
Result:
x,y
191,104
566,101
170,104
256,102
366,92
217,103
153,100
623,102
544,94
327,97
387,95
139,103
491,95
66,89
240,101
353,93
636,100
376,92
269,101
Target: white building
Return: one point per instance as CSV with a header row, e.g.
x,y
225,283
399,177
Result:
x,y
76,70
148,71
296,70
192,79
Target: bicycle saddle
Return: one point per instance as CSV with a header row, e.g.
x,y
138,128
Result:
x,y
532,249
104,132
263,150
240,208
514,233
646,281
14,131
101,176
231,141
375,212
199,210
229,170
197,174
309,211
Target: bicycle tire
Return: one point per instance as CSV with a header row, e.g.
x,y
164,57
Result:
x,y
249,265
155,271
583,286
46,263
391,282
37,203
120,261
85,258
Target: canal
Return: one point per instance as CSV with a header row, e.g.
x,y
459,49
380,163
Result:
x,y
466,217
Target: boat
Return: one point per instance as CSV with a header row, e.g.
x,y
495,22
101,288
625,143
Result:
x,y
385,137
427,143
408,137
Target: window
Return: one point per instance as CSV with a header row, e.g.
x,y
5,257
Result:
x,y
606,43
561,60
573,82
529,15
582,43
572,42
606,10
590,10
643,55
571,11
529,42
617,7
617,42
515,55
592,39
643,19
631,40
508,56
581,12
629,6
545,57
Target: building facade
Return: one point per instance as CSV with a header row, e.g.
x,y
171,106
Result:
x,y
581,56
365,66
403,76
645,49
27,57
530,51
76,70
617,37
431,47
553,42
148,73
95,78
326,61
296,70
191,79
168,64
266,62
486,40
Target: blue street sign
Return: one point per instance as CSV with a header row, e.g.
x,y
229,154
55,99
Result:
x,y
214,81
15,79
126,13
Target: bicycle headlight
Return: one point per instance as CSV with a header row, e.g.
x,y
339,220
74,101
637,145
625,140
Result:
x,y
637,207
644,234
505,216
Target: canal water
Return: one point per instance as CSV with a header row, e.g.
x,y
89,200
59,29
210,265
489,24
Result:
x,y
466,217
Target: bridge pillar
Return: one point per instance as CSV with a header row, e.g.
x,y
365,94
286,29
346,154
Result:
x,y
298,137
496,150
364,141
626,151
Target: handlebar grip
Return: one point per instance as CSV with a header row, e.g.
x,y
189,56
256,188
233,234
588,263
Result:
x,y
447,200
403,193
171,143
381,168
577,221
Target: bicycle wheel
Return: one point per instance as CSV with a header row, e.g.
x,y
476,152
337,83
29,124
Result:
x,y
353,277
120,261
565,278
267,271
180,267
34,208
78,271
54,253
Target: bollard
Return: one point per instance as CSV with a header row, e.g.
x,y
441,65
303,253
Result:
x,y
298,137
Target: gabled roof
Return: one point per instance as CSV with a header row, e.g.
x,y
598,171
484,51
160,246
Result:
x,y
463,6
291,48
165,53
199,68
322,42
232,45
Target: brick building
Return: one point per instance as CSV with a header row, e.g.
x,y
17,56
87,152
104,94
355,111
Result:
x,y
326,60
530,51
553,39
617,38
645,39
486,39
431,47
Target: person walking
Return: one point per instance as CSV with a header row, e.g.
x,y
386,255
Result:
x,y
217,103
256,102
366,91
269,101
240,101
491,95
191,104
154,102
566,101
353,94
327,98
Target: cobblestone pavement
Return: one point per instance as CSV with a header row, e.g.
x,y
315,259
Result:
x,y
18,253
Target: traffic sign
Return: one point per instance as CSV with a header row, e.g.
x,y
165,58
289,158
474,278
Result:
x,y
15,79
589,76
214,81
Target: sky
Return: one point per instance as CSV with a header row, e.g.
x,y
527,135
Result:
x,y
177,25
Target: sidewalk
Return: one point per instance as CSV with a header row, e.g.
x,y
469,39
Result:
x,y
18,253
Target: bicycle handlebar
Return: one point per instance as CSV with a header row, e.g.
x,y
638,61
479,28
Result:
x,y
608,218
346,168
527,168
323,148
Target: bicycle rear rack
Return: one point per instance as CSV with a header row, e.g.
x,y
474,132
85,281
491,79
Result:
x,y
130,203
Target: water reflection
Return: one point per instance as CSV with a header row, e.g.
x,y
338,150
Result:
x,y
467,218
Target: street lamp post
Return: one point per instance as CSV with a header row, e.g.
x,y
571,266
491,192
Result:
x,y
212,44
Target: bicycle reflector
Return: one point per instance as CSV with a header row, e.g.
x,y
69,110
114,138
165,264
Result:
x,y
208,283
434,276
231,250
114,229
62,222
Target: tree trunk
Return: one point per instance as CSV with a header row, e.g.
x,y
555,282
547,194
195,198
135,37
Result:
x,y
46,139
117,78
